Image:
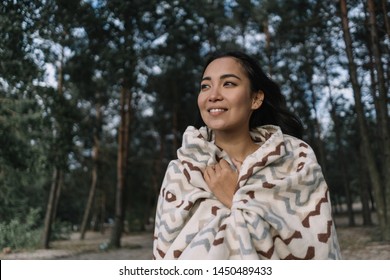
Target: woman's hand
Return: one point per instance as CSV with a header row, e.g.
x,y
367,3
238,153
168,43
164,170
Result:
x,y
222,181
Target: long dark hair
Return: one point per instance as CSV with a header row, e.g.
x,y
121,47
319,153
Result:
x,y
274,109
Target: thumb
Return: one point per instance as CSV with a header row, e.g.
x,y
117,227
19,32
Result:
x,y
224,164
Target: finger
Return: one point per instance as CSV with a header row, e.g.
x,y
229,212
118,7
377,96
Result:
x,y
217,167
224,164
210,169
206,175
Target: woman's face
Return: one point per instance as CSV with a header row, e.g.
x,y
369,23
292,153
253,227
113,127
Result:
x,y
226,101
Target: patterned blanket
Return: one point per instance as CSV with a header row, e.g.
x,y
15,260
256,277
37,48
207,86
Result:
x,y
281,209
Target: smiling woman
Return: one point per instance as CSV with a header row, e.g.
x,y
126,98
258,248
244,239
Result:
x,y
244,186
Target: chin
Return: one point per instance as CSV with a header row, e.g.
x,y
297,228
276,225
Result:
x,y
214,125
218,127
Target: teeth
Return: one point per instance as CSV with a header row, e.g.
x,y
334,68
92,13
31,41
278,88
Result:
x,y
216,110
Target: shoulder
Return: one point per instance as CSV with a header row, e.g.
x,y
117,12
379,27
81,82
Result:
x,y
299,147
175,166
272,136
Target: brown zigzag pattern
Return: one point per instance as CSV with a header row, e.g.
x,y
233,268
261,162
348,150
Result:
x,y
323,237
187,174
315,212
188,207
222,228
263,162
300,166
161,253
163,192
251,194
295,235
214,210
192,167
177,253
303,145
267,135
218,241
267,254
310,253
267,185
302,154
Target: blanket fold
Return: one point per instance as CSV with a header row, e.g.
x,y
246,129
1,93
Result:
x,y
281,209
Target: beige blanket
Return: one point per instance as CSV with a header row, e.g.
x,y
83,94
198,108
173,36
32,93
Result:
x,y
281,209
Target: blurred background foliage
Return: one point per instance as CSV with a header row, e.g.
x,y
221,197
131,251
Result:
x,y
94,97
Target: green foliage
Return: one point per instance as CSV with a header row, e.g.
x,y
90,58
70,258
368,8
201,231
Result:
x,y
156,49
22,231
61,231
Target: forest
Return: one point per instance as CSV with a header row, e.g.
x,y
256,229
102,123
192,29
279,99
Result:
x,y
95,95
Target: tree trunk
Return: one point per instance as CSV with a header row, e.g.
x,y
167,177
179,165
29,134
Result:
x,y
317,128
123,144
102,206
340,151
50,209
57,178
175,125
363,131
341,163
95,170
382,113
364,190
91,197
387,28
99,213
387,22
58,194
156,179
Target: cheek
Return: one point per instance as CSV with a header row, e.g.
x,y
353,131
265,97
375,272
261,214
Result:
x,y
242,101
201,101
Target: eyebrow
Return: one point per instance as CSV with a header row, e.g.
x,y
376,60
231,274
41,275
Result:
x,y
225,76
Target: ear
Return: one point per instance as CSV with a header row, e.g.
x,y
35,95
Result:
x,y
257,99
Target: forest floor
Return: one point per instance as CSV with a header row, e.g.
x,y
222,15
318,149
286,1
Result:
x,y
356,243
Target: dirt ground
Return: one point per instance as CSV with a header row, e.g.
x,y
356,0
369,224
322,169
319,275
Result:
x,y
357,243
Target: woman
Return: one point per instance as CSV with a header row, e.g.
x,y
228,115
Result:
x,y
244,185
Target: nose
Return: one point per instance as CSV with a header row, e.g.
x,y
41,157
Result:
x,y
215,94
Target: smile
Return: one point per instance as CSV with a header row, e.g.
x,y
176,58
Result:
x,y
216,110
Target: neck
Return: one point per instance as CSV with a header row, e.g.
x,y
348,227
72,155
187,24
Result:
x,y
238,146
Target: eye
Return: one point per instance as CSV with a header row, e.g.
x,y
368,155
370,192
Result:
x,y
204,87
229,84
